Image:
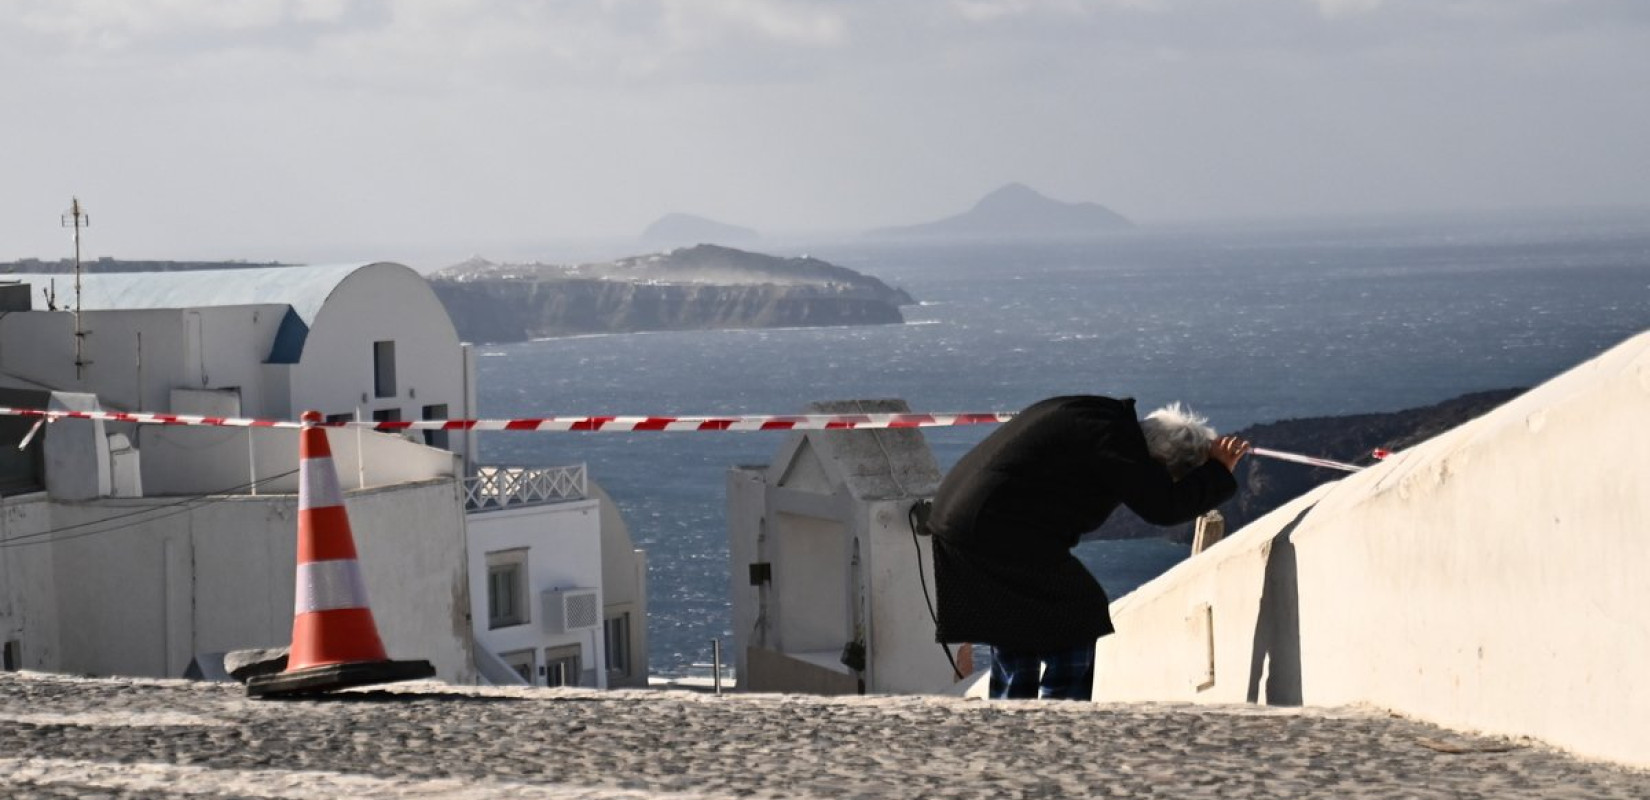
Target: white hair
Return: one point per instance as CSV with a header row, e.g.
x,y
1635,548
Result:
x,y
1178,438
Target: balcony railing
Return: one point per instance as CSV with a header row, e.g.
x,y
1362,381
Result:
x,y
495,488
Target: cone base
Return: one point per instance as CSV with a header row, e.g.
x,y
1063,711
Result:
x,y
313,681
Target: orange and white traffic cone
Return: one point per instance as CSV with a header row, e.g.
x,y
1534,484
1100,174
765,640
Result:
x,y
335,641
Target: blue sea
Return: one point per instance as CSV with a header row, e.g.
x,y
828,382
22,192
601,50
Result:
x,y
1246,324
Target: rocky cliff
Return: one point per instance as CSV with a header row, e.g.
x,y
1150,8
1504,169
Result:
x,y
696,288
1264,484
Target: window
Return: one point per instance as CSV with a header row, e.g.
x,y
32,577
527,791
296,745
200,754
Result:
x,y
616,635
340,417
13,658
507,588
383,369
436,438
21,470
561,665
522,662
393,415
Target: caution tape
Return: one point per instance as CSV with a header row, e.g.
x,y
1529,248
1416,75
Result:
x,y
793,422
1312,460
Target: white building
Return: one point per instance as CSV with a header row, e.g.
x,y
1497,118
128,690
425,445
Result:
x,y
350,340
825,564
565,600
363,341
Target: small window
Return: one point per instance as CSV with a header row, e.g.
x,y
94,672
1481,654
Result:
x,y
21,470
561,665
340,417
436,438
522,662
507,588
616,635
386,415
383,369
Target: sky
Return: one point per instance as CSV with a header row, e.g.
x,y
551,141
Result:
x,y
316,130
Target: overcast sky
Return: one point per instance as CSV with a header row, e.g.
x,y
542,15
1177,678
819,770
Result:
x,y
312,129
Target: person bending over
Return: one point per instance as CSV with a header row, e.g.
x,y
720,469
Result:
x,y
1006,516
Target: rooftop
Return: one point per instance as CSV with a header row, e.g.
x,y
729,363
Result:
x,y
303,288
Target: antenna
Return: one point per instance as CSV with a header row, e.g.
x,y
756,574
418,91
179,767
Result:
x,y
77,218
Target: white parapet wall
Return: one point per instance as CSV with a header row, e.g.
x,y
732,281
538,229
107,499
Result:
x,y
1492,579
141,586
186,460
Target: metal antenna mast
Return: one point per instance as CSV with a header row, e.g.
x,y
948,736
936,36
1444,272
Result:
x,y
77,218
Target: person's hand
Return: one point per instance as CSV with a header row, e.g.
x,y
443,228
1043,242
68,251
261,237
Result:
x,y
1227,450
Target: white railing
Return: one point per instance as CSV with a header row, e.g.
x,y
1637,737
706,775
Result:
x,y
494,488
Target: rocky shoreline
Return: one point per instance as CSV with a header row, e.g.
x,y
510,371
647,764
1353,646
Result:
x,y
515,311
705,287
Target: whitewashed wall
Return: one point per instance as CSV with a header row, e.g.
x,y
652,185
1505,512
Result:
x,y
826,497
197,460
907,659
564,547
746,498
28,586
145,597
233,344
1491,578
382,302
624,579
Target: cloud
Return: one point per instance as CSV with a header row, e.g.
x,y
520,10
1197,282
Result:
x,y
576,113
1346,8
985,11
115,26
622,39
989,10
788,23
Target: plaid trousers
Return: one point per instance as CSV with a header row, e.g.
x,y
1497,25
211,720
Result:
x,y
1054,675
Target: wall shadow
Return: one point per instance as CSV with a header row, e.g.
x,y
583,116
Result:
x,y
1277,648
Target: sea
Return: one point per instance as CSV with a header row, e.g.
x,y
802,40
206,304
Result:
x,y
1245,323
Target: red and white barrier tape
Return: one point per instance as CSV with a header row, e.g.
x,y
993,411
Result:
x,y
793,422
1300,459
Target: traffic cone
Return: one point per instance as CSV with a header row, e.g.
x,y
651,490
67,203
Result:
x,y
335,643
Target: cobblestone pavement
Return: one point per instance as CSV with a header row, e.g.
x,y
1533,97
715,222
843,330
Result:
x,y
83,738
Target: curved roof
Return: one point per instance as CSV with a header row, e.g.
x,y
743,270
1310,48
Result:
x,y
304,288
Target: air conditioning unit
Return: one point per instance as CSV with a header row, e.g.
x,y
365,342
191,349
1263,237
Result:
x,y
569,610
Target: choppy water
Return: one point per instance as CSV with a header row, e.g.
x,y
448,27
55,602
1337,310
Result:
x,y
1246,326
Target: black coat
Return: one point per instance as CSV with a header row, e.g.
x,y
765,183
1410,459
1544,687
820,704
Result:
x,y
1007,515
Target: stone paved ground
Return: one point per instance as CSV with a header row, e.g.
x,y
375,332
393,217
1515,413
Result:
x,y
81,738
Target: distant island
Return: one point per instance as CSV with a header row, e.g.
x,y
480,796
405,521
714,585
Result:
x,y
1016,211
676,230
691,288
